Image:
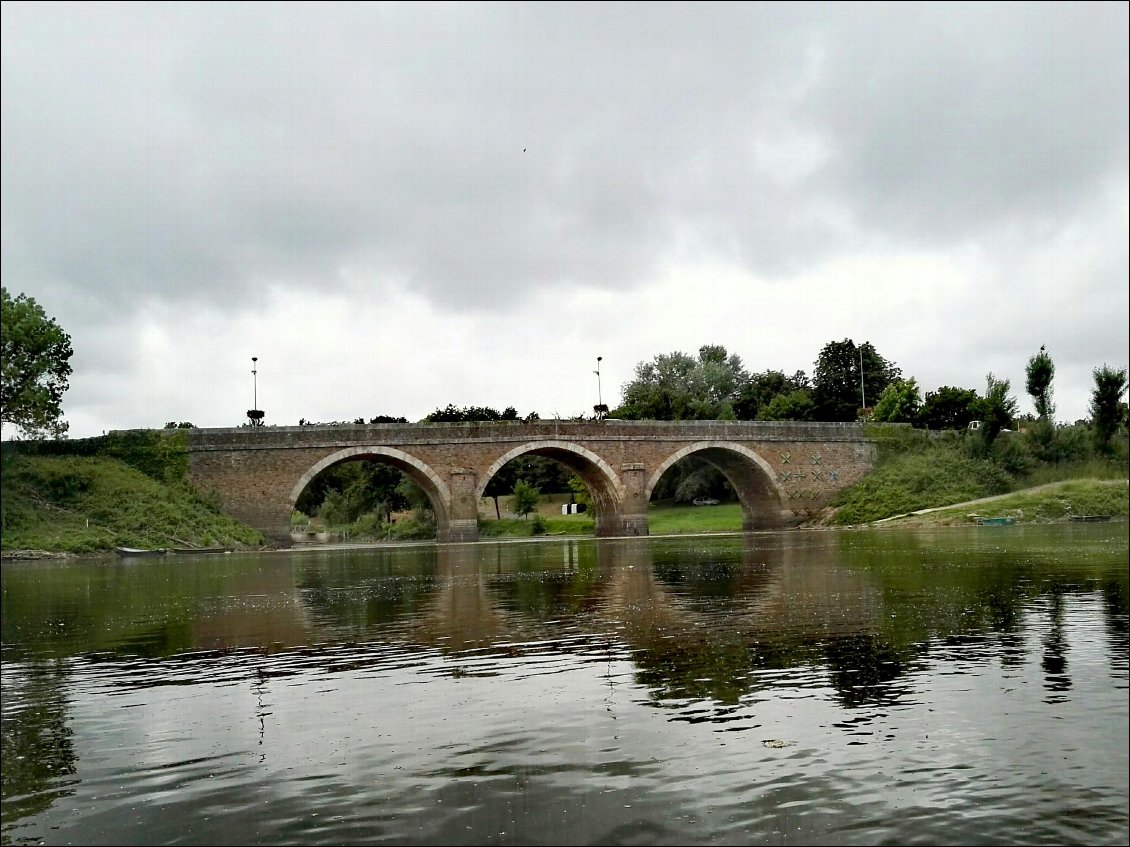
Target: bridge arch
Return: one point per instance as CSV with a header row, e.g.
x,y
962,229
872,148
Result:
x,y
429,481
750,475
605,487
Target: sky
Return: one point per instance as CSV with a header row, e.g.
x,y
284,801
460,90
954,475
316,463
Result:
x,y
396,207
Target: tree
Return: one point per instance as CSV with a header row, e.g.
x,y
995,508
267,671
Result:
x,y
763,388
836,387
949,408
35,367
353,489
1040,373
453,414
794,406
996,409
1107,409
675,387
525,498
899,403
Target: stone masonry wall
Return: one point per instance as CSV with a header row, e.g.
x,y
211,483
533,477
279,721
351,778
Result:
x,y
255,470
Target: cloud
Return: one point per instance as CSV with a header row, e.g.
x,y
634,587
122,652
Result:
x,y
172,169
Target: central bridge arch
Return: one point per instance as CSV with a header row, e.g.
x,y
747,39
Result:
x,y
604,485
751,477
429,481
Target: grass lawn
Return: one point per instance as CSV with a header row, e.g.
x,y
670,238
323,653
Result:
x,y
664,518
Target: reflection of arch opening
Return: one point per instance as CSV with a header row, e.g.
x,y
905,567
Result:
x,y
438,493
604,487
750,476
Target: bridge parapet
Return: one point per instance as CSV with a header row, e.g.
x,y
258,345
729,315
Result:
x,y
273,437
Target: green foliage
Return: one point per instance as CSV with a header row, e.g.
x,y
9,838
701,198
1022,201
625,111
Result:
x,y
763,388
159,454
1108,412
526,498
538,525
949,408
353,489
996,409
794,406
675,387
692,477
579,490
936,474
916,470
88,504
1055,501
453,414
1040,373
899,403
35,367
701,480
419,527
837,389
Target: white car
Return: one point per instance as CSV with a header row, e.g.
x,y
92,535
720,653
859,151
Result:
x,y
705,501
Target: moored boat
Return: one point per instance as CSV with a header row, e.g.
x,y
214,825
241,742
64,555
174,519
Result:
x,y
140,551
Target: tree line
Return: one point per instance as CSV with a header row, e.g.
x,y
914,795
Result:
x,y
849,382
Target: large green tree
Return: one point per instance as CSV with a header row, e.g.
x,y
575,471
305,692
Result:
x,y
763,388
838,390
949,408
675,386
794,406
1040,373
1107,409
35,367
899,403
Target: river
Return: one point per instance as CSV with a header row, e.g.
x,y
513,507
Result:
x,y
926,686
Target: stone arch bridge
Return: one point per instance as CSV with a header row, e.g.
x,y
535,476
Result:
x,y
782,472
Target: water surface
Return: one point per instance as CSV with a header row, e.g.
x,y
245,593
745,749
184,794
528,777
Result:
x,y
914,686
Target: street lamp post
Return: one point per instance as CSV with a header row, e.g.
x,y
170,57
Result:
x,y
255,414
599,408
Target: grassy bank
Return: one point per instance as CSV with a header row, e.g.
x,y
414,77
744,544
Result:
x,y
88,504
917,472
1049,503
129,490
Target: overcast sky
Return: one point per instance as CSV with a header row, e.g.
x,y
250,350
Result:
x,y
396,207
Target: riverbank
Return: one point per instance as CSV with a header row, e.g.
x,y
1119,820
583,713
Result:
x,y
1056,502
55,506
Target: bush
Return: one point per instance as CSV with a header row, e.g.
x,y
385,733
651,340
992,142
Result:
x,y
413,529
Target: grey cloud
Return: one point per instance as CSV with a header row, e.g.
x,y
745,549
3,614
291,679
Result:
x,y
207,151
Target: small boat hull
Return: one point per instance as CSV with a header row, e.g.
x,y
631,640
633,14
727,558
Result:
x,y
139,551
